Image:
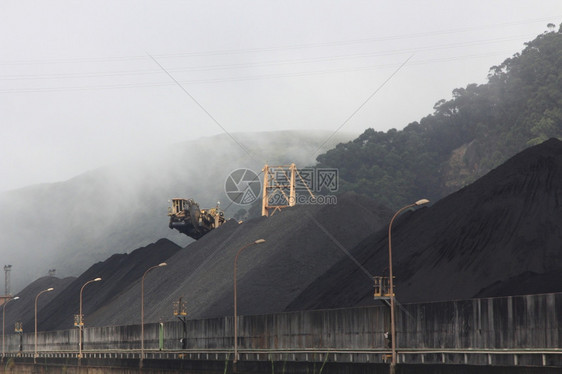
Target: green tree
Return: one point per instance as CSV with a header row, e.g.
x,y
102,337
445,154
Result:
x,y
520,105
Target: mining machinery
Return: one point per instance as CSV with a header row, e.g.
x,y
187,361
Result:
x,y
186,217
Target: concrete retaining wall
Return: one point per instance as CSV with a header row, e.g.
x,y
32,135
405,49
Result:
x,y
521,322
532,321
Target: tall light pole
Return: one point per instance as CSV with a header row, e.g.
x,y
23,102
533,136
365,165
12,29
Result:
x,y
259,241
36,297
391,280
3,324
80,320
142,309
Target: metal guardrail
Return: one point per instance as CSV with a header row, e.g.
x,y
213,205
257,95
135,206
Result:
x,y
405,356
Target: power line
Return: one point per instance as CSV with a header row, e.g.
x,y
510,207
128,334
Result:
x,y
201,107
264,63
281,48
363,104
359,41
247,78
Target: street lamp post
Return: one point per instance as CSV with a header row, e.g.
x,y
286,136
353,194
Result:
x,y
259,241
391,282
4,323
80,318
36,297
142,309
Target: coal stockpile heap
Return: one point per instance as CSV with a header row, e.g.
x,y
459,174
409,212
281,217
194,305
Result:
x,y
118,273
502,235
23,309
301,243
526,283
499,236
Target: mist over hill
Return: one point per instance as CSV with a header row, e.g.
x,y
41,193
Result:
x,y
70,225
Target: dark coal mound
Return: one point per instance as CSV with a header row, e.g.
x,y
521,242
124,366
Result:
x,y
501,235
528,283
481,240
301,244
23,309
118,273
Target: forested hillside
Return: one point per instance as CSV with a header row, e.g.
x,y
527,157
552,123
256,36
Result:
x,y
466,136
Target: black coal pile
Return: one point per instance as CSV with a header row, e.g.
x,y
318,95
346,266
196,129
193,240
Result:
x,y
501,235
23,309
301,243
527,283
118,273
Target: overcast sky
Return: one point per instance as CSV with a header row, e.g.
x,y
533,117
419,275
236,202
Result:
x,y
79,88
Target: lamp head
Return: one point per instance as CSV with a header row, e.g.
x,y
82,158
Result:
x,y
162,264
97,279
259,241
15,298
49,289
422,201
